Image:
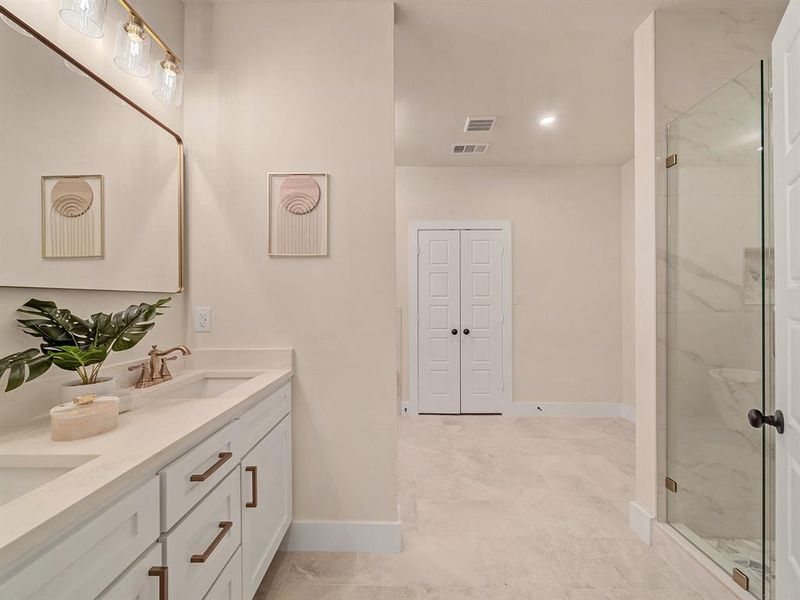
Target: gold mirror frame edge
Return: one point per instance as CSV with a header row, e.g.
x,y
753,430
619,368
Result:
x,y
179,141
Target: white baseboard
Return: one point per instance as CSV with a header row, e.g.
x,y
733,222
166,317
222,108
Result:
x,y
565,409
371,537
629,412
641,522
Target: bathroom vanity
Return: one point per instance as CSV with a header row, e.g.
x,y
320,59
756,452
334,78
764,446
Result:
x,y
189,498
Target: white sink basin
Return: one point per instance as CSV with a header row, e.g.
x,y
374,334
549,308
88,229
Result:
x,y
204,386
20,473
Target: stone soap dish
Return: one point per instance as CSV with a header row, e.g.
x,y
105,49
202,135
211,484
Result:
x,y
84,417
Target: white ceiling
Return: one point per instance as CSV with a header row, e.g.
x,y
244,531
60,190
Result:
x,y
520,60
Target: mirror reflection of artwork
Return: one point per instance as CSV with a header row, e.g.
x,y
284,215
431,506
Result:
x,y
753,280
298,213
72,217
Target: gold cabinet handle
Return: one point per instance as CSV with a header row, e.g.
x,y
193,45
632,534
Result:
x,y
254,482
223,458
225,527
161,573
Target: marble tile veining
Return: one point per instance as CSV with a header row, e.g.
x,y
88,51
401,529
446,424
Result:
x,y
505,508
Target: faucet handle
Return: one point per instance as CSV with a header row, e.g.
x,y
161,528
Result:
x,y
164,371
144,376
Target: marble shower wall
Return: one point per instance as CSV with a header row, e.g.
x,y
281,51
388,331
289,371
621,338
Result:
x,y
714,215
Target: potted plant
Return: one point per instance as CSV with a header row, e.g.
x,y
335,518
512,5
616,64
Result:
x,y
75,344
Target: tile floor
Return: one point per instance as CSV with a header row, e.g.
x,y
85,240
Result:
x,y
506,508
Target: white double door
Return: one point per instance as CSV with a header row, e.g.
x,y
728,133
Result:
x,y
460,321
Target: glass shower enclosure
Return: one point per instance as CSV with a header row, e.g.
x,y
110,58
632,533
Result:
x,y
719,333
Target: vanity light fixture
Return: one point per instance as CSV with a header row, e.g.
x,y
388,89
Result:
x,y
168,81
132,53
547,121
86,16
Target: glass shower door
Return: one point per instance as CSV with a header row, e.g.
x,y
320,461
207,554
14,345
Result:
x,y
718,310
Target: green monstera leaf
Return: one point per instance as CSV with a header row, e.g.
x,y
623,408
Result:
x,y
123,330
71,358
24,366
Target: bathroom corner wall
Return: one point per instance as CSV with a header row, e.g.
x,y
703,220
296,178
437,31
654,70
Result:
x,y
167,17
298,87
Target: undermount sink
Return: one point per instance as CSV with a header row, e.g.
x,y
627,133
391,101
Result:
x,y
20,473
208,386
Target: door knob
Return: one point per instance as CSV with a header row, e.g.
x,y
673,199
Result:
x,y
757,419
454,331
466,332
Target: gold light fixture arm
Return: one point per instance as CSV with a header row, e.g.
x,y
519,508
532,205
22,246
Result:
x,y
135,15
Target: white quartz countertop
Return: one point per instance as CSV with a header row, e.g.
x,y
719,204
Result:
x,y
149,437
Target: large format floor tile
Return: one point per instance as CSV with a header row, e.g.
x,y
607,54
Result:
x,y
500,508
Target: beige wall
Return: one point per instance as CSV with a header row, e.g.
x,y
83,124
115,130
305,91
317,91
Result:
x,y
626,263
167,17
566,266
285,86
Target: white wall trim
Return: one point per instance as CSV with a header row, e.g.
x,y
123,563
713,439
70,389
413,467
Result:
x,y
565,409
629,412
413,296
371,537
641,522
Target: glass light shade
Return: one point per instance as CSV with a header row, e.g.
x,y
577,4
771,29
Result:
x,y
168,84
132,53
86,16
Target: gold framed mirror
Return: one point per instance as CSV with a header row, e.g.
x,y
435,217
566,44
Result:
x,y
120,228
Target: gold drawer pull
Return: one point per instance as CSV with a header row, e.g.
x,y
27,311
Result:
x,y
254,482
161,573
225,527
223,458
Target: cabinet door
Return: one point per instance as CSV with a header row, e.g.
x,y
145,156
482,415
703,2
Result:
x,y
228,585
266,502
144,580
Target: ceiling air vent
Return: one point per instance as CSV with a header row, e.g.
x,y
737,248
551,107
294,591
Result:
x,y
470,148
479,123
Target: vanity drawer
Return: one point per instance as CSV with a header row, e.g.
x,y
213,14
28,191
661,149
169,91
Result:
x,y
259,420
84,563
185,481
142,581
228,585
200,546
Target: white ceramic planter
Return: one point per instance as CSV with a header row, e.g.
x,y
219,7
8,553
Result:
x,y
105,386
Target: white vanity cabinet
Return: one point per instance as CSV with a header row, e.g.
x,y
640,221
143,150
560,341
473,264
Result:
x,y
267,502
206,528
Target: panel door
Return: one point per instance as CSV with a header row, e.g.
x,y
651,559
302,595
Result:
x,y
439,308
266,502
481,321
786,160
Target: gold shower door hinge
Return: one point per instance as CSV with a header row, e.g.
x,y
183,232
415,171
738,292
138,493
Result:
x,y
740,579
672,160
671,485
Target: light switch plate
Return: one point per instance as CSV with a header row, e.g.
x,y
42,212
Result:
x,y
517,298
202,319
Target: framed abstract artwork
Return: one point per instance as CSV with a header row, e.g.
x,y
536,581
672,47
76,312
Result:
x,y
73,216
298,214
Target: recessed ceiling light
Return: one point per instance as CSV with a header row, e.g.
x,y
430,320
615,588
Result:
x,y
547,121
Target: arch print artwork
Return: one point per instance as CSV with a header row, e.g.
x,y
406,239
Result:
x,y
298,214
72,216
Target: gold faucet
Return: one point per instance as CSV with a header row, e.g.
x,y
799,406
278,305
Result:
x,y
155,370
